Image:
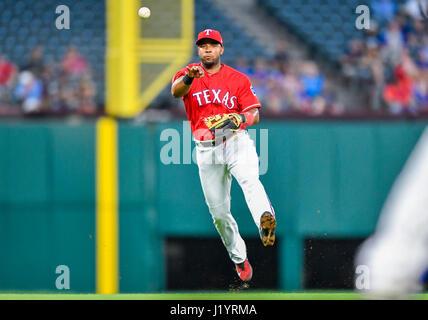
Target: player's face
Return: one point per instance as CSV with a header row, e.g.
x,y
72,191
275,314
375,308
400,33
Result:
x,y
210,51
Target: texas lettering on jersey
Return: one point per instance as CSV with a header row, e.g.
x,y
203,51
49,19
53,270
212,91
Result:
x,y
227,91
213,96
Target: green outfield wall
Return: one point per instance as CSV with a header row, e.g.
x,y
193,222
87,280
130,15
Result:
x,y
324,179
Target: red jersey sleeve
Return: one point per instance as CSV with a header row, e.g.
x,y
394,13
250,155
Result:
x,y
180,73
247,97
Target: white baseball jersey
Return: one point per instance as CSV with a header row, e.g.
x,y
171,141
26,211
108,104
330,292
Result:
x,y
397,254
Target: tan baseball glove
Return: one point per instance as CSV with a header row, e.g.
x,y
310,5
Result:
x,y
220,123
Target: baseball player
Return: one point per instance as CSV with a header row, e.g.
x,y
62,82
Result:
x,y
397,254
220,103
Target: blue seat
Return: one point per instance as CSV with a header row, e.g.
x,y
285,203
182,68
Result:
x,y
320,23
25,24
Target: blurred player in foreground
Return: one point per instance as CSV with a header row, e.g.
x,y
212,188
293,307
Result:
x,y
397,254
220,104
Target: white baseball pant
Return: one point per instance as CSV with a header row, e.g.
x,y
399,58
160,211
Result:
x,y
236,157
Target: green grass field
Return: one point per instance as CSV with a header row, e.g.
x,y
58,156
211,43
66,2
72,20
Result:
x,y
262,295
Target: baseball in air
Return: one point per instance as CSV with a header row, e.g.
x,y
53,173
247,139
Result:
x,y
144,12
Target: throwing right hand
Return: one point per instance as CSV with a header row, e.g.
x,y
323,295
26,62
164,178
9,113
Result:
x,y
195,72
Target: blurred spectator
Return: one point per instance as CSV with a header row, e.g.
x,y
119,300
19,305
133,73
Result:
x,y
86,95
384,10
243,66
259,79
7,78
76,88
73,63
393,41
291,88
275,96
281,57
332,104
372,63
351,59
418,30
420,92
398,93
51,77
29,92
422,58
412,8
312,86
413,45
68,89
35,64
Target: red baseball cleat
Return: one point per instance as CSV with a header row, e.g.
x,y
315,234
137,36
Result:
x,y
244,270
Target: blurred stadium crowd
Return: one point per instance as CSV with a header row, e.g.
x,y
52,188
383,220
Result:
x,y
390,63
386,65
284,85
59,87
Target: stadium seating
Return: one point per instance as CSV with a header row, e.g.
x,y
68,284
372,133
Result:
x,y
25,24
325,25
236,40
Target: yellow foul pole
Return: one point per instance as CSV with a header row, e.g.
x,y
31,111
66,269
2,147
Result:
x,y
107,207
122,81
125,52
122,66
